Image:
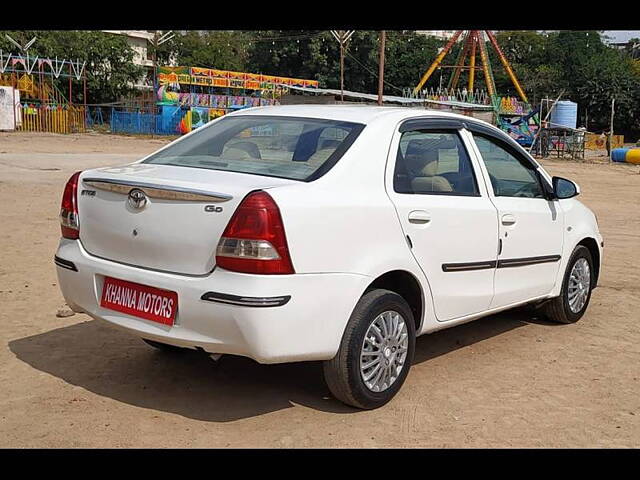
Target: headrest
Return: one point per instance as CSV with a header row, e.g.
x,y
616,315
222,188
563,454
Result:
x,y
249,147
233,153
329,143
416,146
430,184
421,160
320,156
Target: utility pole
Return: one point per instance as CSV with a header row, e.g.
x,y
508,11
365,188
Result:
x,y
613,102
342,36
156,37
157,41
383,35
586,119
341,73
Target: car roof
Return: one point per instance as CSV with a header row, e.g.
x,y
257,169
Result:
x,y
367,114
350,113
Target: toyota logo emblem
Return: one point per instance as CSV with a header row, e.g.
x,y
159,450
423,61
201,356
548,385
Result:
x,y
137,199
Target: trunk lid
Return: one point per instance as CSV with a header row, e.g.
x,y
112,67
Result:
x,y
175,227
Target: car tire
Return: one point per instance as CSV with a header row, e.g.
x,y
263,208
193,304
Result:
x,y
561,309
344,374
164,347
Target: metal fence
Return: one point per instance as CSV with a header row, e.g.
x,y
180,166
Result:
x,y
136,122
51,118
98,116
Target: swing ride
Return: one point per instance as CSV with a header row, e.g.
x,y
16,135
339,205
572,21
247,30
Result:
x,y
514,116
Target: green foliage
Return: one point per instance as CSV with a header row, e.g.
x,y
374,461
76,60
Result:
x,y
316,55
225,50
294,53
528,54
407,58
589,71
111,73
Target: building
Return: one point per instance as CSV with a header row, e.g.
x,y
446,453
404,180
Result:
x,y
441,34
140,40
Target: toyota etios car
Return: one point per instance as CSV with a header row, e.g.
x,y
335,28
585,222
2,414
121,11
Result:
x,y
333,233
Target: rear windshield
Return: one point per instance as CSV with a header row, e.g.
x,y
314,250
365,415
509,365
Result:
x,y
286,147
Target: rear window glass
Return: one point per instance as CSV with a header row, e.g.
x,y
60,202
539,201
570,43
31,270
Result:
x,y
286,147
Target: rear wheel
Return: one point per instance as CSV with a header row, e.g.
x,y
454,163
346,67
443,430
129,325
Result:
x,y
164,346
376,351
578,282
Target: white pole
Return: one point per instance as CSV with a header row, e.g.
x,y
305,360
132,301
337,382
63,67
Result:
x,y
15,119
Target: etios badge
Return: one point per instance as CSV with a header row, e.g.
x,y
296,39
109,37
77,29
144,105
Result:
x,y
137,199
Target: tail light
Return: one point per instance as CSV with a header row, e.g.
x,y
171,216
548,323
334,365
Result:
x,y
254,240
69,222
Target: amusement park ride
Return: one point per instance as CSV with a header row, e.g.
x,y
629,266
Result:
x,y
37,84
517,118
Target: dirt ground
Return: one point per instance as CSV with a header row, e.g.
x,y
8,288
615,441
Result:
x,y
510,380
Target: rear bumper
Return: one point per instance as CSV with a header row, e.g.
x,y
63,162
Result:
x,y
225,312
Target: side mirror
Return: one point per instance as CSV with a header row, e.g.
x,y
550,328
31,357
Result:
x,y
564,188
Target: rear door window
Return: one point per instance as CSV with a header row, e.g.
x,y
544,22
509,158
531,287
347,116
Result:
x,y
433,162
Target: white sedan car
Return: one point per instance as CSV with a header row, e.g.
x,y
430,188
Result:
x,y
331,233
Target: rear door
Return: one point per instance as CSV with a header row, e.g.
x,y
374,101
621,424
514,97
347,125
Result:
x,y
450,223
531,227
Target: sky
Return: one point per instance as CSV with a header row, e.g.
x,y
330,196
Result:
x,y
622,35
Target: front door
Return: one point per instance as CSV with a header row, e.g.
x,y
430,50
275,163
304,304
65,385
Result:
x,y
531,227
450,223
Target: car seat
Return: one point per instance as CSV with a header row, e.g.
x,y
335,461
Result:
x,y
242,151
422,167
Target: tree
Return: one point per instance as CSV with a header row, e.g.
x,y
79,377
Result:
x,y
225,50
528,54
296,53
316,55
589,71
408,57
592,74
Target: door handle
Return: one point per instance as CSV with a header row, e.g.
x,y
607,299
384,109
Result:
x,y
419,217
508,219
